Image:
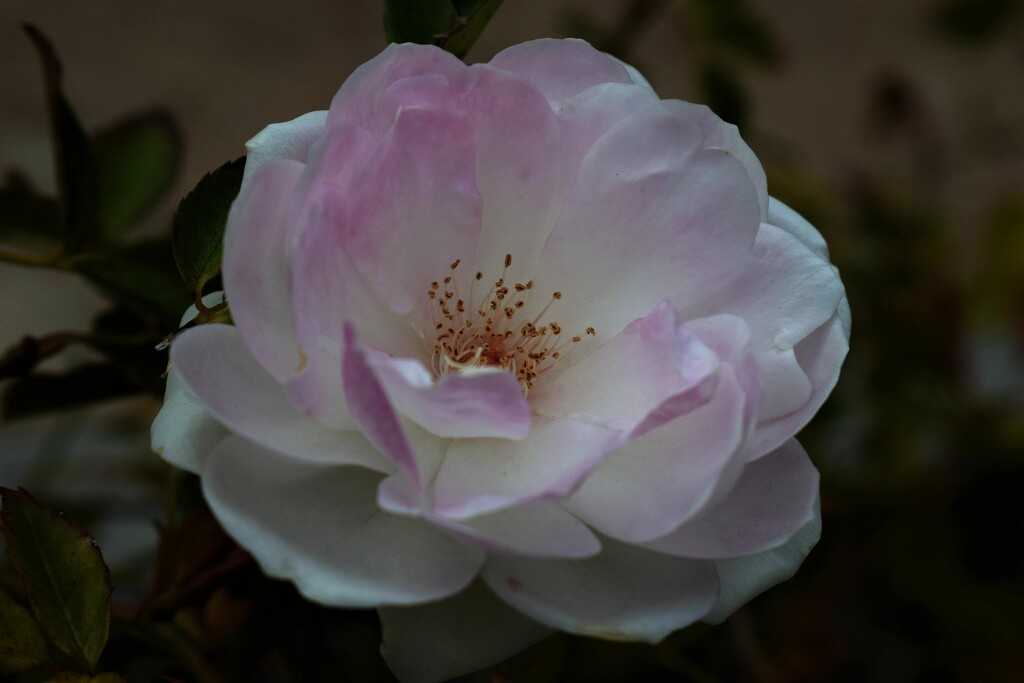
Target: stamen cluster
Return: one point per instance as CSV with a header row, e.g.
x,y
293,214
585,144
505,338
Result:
x,y
487,331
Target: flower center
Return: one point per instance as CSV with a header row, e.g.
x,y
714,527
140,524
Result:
x,y
490,330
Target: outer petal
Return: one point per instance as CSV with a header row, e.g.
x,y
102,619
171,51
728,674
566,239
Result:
x,y
320,527
479,476
773,499
541,529
785,292
820,356
184,432
288,140
655,483
744,578
679,218
465,633
780,215
650,373
361,99
256,266
484,404
216,366
561,68
625,593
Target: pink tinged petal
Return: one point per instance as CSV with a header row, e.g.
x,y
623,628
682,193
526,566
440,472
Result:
x,y
361,99
820,356
288,140
590,114
217,367
773,499
650,373
479,476
561,68
256,266
744,578
324,272
416,209
726,136
184,432
520,167
625,593
488,403
397,493
372,411
520,161
320,527
650,486
785,293
680,220
459,635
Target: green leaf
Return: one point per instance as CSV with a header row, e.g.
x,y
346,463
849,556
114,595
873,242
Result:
x,y
418,21
142,277
974,22
67,583
473,16
46,392
28,217
136,162
75,677
22,646
724,94
199,225
76,167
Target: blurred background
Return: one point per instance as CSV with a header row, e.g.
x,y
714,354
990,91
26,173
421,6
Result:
x,y
895,126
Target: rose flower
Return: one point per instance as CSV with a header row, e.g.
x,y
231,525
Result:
x,y
517,346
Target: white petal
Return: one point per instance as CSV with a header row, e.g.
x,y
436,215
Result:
x,y
479,476
625,593
320,527
651,485
288,140
773,499
744,578
459,635
184,432
218,368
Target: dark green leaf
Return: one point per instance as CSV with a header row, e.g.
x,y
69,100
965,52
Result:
x,y
473,16
136,161
75,677
76,167
418,21
142,277
747,36
67,583
974,22
27,216
724,94
22,646
46,393
199,224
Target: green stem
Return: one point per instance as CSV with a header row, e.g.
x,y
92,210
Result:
x,y
31,260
